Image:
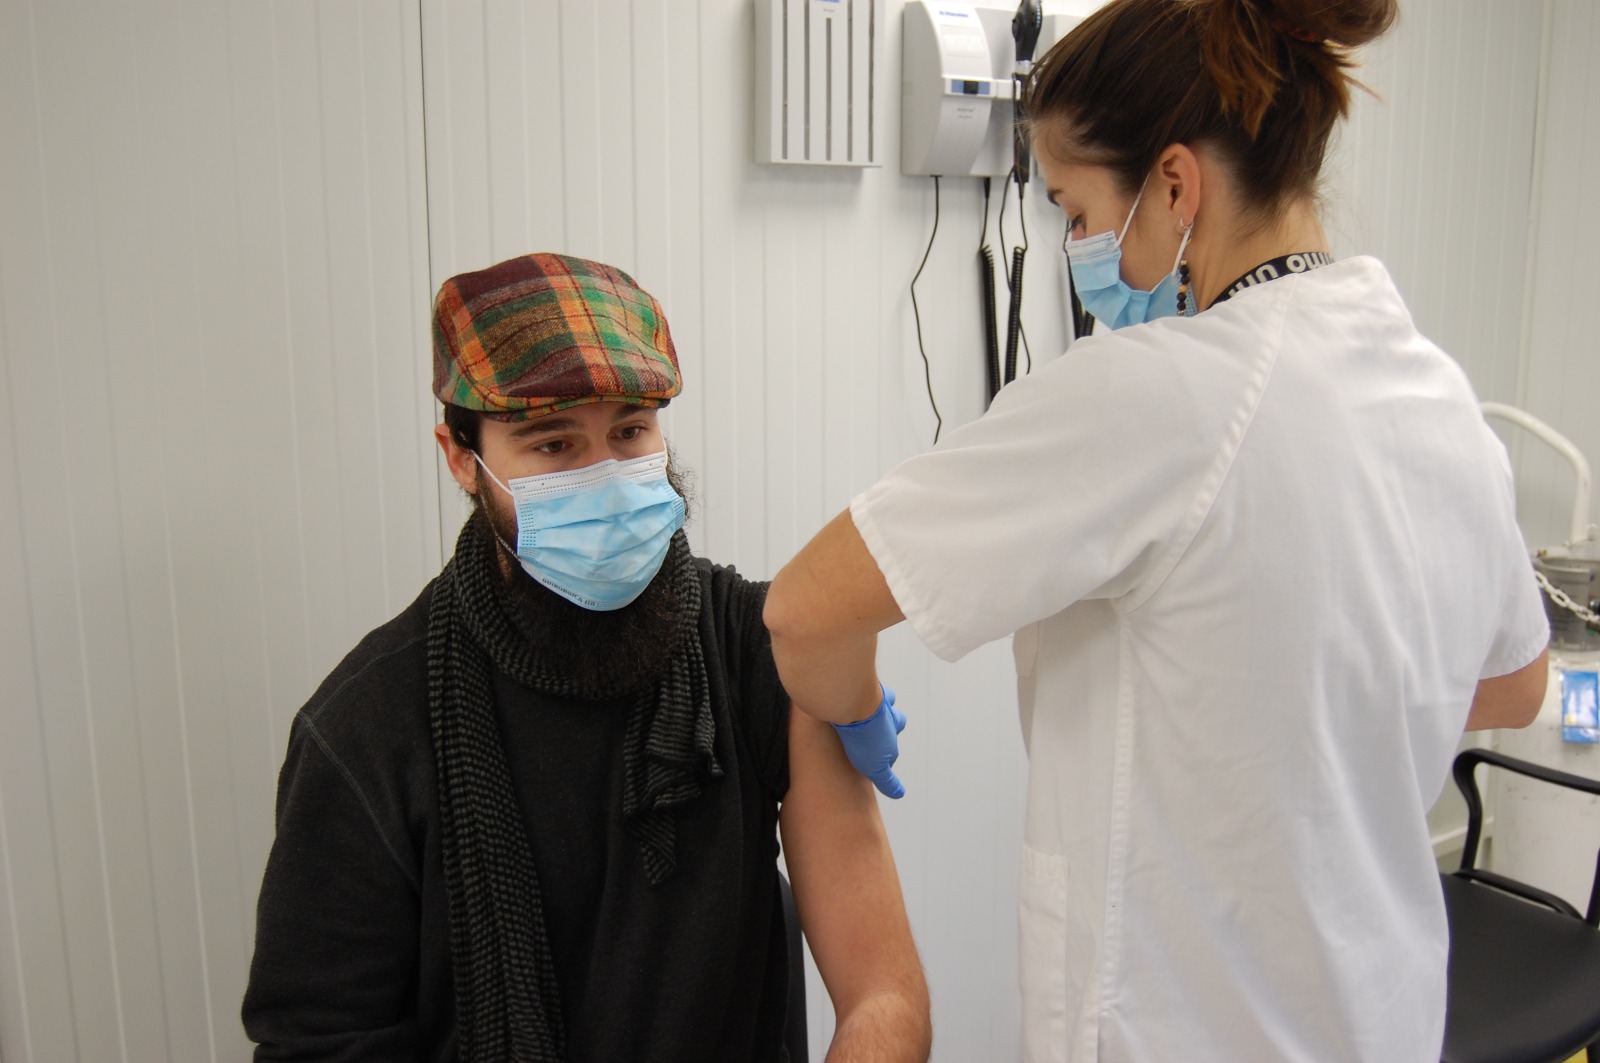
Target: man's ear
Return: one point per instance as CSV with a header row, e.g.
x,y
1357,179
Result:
x,y
463,465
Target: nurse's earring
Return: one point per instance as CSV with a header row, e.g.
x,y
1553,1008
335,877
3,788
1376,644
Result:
x,y
1182,268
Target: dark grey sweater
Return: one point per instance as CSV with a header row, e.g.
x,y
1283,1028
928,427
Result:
x,y
352,958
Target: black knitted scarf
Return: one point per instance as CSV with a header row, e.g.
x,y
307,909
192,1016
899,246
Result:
x,y
508,1004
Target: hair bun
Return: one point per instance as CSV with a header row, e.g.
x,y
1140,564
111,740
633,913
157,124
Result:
x,y
1347,23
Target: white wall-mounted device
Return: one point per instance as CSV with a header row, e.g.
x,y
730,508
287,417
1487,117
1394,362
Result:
x,y
819,65
957,98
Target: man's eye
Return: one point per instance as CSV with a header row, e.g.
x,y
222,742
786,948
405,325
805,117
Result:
x,y
631,432
551,446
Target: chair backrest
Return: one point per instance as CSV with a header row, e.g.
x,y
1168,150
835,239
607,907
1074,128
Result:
x,y
1464,770
794,1031
1524,979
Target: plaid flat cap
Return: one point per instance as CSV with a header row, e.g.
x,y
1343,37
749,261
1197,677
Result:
x,y
543,332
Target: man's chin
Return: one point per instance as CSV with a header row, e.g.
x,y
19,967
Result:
x,y
602,652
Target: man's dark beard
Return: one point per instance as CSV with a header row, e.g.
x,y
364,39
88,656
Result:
x,y
620,649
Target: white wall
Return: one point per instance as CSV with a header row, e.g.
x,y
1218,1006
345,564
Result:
x,y
213,280
1561,385
1434,174
220,224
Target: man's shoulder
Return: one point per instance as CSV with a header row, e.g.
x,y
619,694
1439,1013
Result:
x,y
381,683
737,639
727,585
731,605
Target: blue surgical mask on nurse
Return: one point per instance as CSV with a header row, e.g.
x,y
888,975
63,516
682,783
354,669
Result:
x,y
1096,264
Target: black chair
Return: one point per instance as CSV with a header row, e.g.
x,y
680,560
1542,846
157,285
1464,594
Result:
x,y
1524,983
794,1031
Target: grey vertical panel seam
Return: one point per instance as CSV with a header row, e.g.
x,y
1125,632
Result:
x,y
338,471
633,125
139,745
291,345
372,309
601,251
1541,114
527,243
189,801
427,236
11,913
561,117
33,664
49,271
700,214
488,131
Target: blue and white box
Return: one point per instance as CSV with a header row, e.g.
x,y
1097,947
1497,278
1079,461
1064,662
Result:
x,y
1580,707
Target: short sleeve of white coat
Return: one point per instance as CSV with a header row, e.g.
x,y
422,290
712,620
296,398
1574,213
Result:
x,y
1524,630
1086,479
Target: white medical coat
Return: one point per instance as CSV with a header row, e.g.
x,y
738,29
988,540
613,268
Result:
x,y
1256,562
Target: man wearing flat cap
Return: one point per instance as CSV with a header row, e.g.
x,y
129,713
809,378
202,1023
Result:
x,y
535,816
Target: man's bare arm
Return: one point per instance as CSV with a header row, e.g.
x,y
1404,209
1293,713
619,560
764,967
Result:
x,y
850,905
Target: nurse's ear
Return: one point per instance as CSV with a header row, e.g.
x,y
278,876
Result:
x,y
1178,179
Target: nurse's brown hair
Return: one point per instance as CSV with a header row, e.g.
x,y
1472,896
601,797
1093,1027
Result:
x,y
1259,82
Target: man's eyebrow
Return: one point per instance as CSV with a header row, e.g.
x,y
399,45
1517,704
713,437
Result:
x,y
567,424
544,424
1050,196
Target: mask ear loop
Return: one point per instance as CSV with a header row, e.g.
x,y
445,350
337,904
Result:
x,y
477,458
492,529
1132,210
1180,266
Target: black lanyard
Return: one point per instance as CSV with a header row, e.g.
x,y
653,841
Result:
x,y
1282,266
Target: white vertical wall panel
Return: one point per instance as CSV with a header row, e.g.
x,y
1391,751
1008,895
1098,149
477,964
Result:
x,y
215,474
1563,359
1433,174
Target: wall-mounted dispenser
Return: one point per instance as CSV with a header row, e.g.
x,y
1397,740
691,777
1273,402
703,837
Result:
x,y
951,94
957,96
819,64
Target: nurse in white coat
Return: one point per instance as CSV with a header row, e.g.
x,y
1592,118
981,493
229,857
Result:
x,y
1259,559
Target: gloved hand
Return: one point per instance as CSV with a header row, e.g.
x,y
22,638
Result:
x,y
873,746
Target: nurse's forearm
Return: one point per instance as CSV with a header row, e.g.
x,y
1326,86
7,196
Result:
x,y
825,609
834,680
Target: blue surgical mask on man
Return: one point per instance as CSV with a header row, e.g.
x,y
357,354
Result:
x,y
1096,264
597,535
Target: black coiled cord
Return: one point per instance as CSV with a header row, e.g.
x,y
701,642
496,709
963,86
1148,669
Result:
x,y
1014,318
991,340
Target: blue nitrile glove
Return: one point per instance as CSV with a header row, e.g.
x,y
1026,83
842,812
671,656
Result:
x,y
872,745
